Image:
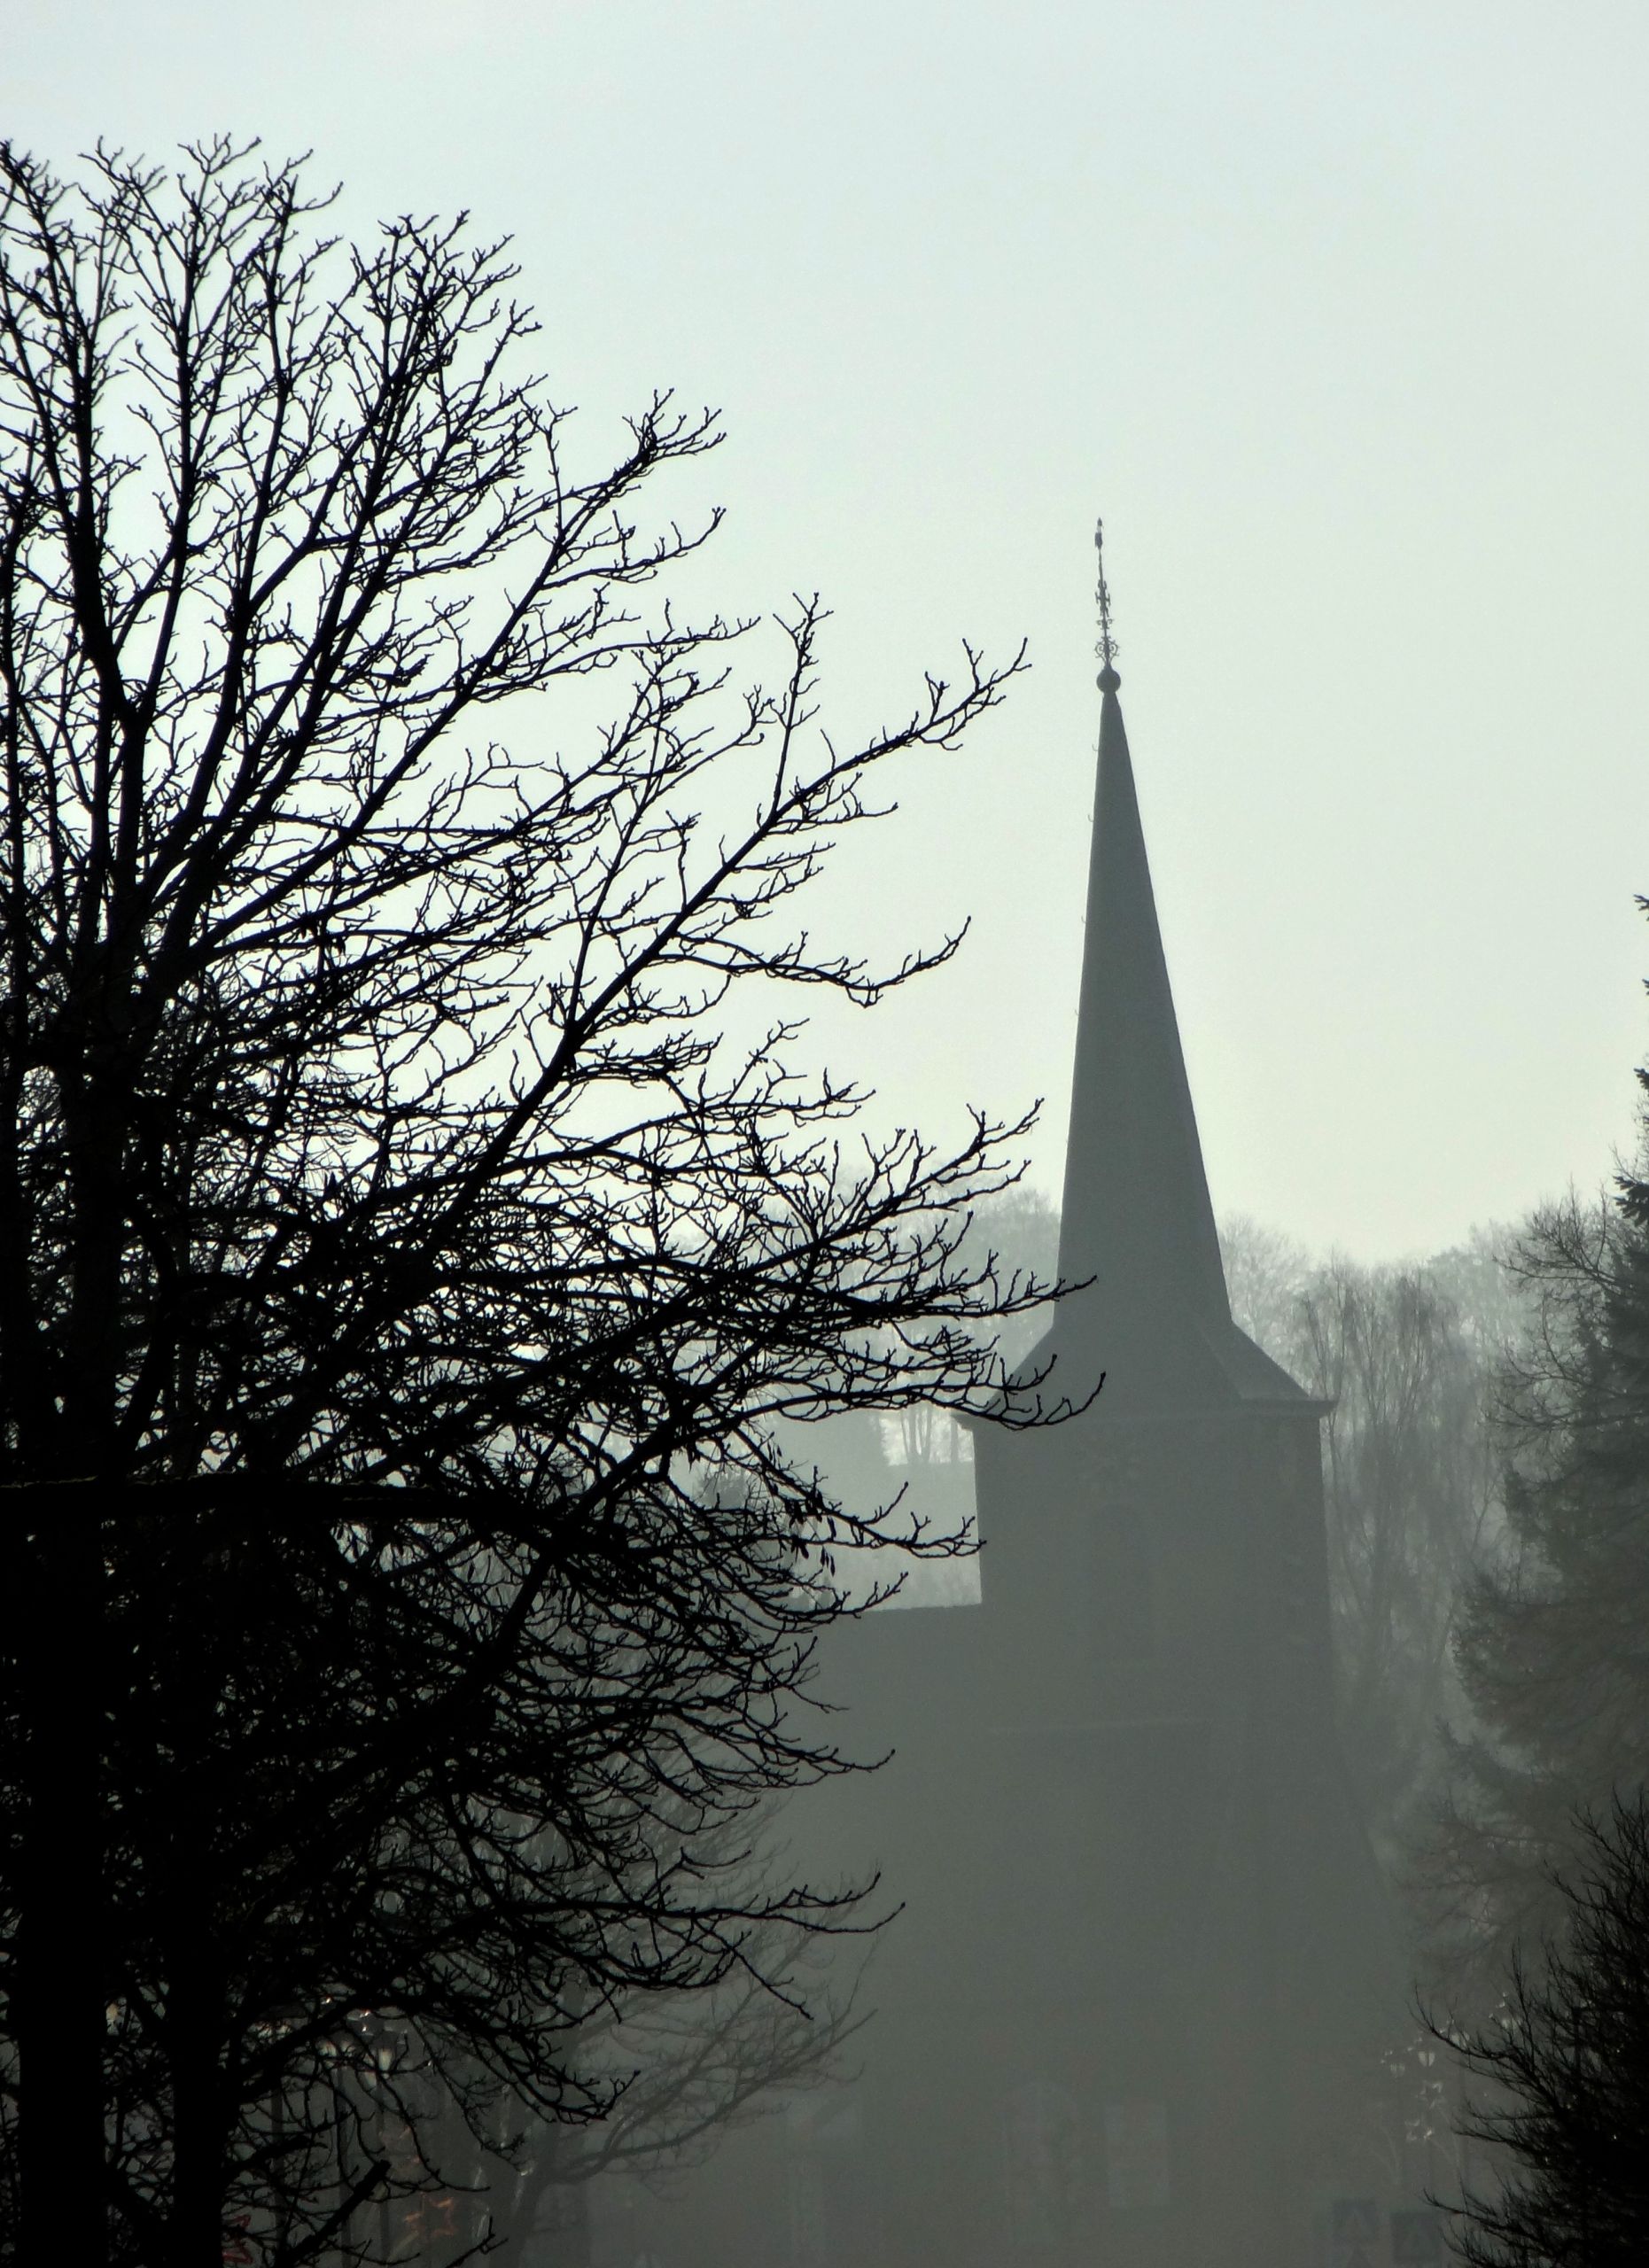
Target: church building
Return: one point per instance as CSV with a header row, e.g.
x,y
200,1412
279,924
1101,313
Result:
x,y
1134,2008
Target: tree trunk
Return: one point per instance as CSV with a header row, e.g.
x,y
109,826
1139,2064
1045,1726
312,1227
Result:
x,y
196,1985
61,2021
194,2032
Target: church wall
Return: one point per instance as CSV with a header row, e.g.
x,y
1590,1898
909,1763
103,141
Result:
x,y
1110,2023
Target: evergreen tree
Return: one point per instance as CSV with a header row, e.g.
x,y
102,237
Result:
x,y
1562,2064
1553,1642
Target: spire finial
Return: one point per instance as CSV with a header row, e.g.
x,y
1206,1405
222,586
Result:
x,y
1106,648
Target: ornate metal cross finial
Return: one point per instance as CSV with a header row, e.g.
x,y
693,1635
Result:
x,y
1106,648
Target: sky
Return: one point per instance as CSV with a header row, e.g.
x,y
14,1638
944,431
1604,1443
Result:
x,y
1337,312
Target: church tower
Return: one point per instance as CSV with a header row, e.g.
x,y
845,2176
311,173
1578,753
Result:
x,y
1192,1975
1133,2012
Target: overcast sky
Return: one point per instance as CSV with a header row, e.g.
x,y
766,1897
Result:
x,y
1337,312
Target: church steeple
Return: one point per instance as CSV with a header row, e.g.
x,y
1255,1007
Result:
x,y
1136,1214
1136,1211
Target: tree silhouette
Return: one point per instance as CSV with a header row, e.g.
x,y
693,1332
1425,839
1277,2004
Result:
x,y
1410,1480
1565,2058
413,1234
1550,1648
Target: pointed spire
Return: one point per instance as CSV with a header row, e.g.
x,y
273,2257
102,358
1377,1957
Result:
x,y
1137,1215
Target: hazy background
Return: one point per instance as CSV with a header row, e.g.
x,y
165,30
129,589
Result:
x,y
1338,312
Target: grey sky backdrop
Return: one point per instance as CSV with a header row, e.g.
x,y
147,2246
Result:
x,y
1337,312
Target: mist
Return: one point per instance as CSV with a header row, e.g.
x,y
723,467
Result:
x,y
828,1264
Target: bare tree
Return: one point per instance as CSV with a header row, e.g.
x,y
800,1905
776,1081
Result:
x,y
1410,1488
1410,1483
679,2068
686,2068
392,1232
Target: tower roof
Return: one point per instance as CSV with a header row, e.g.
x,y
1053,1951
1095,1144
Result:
x,y
1136,1216
1136,1208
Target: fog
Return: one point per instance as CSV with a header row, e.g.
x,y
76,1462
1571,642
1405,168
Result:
x,y
1334,311
1148,1998
1324,967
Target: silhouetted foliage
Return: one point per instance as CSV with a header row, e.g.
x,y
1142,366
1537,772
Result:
x,y
1550,1646
1565,2057
688,2066
405,1271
